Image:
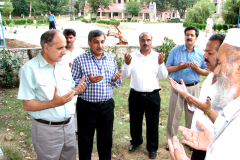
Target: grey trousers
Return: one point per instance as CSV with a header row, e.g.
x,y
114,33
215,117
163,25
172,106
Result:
x,y
176,105
54,142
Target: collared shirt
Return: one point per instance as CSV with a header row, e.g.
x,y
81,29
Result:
x,y
145,71
226,144
37,81
71,55
210,21
51,18
87,63
207,89
180,53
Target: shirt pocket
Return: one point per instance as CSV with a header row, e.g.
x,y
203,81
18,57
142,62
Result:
x,y
45,90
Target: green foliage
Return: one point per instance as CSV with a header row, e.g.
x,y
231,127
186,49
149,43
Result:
x,y
161,5
230,26
93,19
166,47
132,7
129,19
219,27
215,27
7,8
109,22
94,5
225,27
230,11
201,11
12,153
55,6
20,6
182,5
10,66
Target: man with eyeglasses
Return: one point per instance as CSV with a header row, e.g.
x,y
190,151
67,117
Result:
x,y
144,66
185,62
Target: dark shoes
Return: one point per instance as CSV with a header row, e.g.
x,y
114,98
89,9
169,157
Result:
x,y
132,148
152,155
167,147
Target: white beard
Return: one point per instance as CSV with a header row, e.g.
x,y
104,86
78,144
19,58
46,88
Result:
x,y
225,90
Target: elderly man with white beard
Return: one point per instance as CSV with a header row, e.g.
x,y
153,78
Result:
x,y
225,144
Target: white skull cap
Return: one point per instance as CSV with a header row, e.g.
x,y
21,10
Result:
x,y
232,37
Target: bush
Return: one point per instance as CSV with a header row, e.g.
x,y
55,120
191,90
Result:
x,y
136,20
219,27
225,27
10,66
4,22
204,26
230,26
93,19
129,19
166,47
215,27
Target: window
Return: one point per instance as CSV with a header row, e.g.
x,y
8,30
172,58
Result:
x,y
173,15
141,14
124,1
103,13
114,1
115,14
119,1
98,14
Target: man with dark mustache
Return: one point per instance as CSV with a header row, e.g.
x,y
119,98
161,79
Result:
x,y
144,66
95,106
184,62
71,51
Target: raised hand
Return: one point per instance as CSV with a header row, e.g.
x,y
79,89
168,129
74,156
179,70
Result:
x,y
161,58
194,66
183,66
204,106
81,86
117,75
127,58
180,88
197,140
61,100
95,79
176,150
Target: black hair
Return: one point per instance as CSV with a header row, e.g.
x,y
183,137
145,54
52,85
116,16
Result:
x,y
192,28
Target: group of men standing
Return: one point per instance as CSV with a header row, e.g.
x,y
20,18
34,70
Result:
x,y
49,82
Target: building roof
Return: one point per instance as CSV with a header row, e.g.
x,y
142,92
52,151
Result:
x,y
115,7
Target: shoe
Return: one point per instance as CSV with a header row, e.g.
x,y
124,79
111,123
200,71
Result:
x,y
152,155
167,147
132,148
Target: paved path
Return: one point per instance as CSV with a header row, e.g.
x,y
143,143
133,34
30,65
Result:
x,y
173,31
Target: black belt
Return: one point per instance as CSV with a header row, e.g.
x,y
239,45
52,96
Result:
x,y
97,103
146,93
188,84
53,123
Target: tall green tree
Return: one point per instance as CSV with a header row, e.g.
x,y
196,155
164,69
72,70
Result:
x,y
79,4
201,11
95,4
132,7
55,6
7,8
230,11
20,6
182,5
161,5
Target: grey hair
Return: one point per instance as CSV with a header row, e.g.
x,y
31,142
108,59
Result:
x,y
95,33
233,55
47,37
140,36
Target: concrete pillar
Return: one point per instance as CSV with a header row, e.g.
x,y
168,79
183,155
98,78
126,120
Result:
x,y
143,16
122,15
100,15
111,14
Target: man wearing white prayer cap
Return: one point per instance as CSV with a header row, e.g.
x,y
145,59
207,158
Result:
x,y
225,145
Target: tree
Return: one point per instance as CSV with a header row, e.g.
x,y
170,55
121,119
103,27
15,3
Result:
x,y
20,6
132,7
55,6
95,4
79,4
161,5
182,5
201,11
7,8
230,11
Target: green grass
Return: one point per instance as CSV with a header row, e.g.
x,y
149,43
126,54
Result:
x,y
15,120
107,26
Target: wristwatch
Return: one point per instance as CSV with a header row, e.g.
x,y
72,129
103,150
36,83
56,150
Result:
x,y
208,112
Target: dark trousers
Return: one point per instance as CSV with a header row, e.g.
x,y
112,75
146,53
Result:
x,y
92,116
198,155
52,25
150,105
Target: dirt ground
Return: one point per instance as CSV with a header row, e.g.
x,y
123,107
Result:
x,y
13,43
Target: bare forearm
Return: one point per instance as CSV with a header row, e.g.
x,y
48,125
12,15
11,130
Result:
x,y
33,105
213,116
173,68
202,72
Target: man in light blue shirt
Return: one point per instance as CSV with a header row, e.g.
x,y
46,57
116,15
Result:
x,y
51,20
47,89
184,62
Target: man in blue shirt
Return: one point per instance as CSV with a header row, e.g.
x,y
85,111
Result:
x,y
184,62
95,106
51,20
